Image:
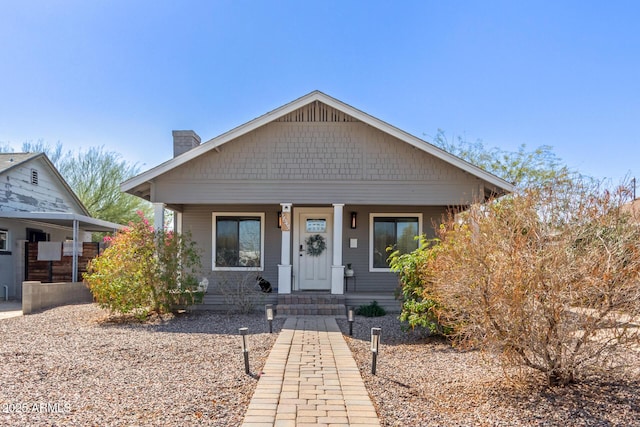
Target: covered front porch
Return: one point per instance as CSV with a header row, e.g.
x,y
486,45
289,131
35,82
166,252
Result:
x,y
297,248
303,280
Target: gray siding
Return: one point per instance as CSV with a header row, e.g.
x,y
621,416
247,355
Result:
x,y
383,282
344,162
198,220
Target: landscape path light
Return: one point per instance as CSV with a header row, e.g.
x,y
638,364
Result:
x,y
350,319
269,313
245,348
375,347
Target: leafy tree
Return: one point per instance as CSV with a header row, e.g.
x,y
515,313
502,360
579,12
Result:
x,y
55,152
95,175
143,271
523,168
549,277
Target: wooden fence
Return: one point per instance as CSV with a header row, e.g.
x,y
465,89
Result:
x,y
56,271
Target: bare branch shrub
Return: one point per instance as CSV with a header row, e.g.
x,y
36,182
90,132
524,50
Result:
x,y
549,277
241,292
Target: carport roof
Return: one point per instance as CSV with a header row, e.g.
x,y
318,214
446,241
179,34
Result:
x,y
64,219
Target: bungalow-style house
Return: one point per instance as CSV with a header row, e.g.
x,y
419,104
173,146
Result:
x,y
40,219
306,190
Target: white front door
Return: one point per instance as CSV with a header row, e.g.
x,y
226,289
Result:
x,y
313,240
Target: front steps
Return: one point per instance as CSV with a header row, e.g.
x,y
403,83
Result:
x,y
287,303
310,304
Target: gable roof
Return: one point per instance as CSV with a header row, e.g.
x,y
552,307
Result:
x,y
142,182
9,161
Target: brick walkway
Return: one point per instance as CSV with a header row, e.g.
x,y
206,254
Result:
x,y
310,379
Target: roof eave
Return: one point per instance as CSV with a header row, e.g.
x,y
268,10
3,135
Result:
x,y
217,141
146,177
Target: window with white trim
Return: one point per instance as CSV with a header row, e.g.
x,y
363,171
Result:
x,y
396,230
4,240
238,241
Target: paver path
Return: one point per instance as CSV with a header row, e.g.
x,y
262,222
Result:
x,y
310,379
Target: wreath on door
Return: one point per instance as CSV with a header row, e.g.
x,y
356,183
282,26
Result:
x,y
315,245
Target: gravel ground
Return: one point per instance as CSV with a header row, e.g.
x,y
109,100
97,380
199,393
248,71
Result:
x,y
70,366
423,381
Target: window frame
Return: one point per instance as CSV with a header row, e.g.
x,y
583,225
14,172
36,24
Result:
x,y
214,218
372,217
7,248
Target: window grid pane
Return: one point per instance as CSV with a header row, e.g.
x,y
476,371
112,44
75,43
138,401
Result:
x,y
249,242
384,234
238,242
398,233
3,240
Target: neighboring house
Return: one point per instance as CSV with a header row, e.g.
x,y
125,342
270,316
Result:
x,y
37,205
298,193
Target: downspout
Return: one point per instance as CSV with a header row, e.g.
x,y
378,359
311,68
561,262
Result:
x,y
6,292
74,264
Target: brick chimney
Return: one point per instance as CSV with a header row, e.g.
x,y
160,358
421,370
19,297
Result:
x,y
183,141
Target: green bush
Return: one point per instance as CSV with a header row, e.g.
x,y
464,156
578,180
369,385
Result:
x,y
371,310
144,271
418,306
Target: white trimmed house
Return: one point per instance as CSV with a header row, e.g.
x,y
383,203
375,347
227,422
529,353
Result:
x,y
37,205
257,197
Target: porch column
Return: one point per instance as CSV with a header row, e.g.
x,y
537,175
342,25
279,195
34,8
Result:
x,y
337,269
158,216
284,268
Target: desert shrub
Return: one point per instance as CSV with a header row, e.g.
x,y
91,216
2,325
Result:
x,y
144,271
241,292
550,278
371,310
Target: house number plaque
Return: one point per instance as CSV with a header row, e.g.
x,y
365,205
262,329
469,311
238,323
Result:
x,y
286,221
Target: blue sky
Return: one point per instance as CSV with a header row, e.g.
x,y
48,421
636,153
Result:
x,y
123,74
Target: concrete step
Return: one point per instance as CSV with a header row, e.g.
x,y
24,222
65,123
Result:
x,y
284,310
311,298
311,304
